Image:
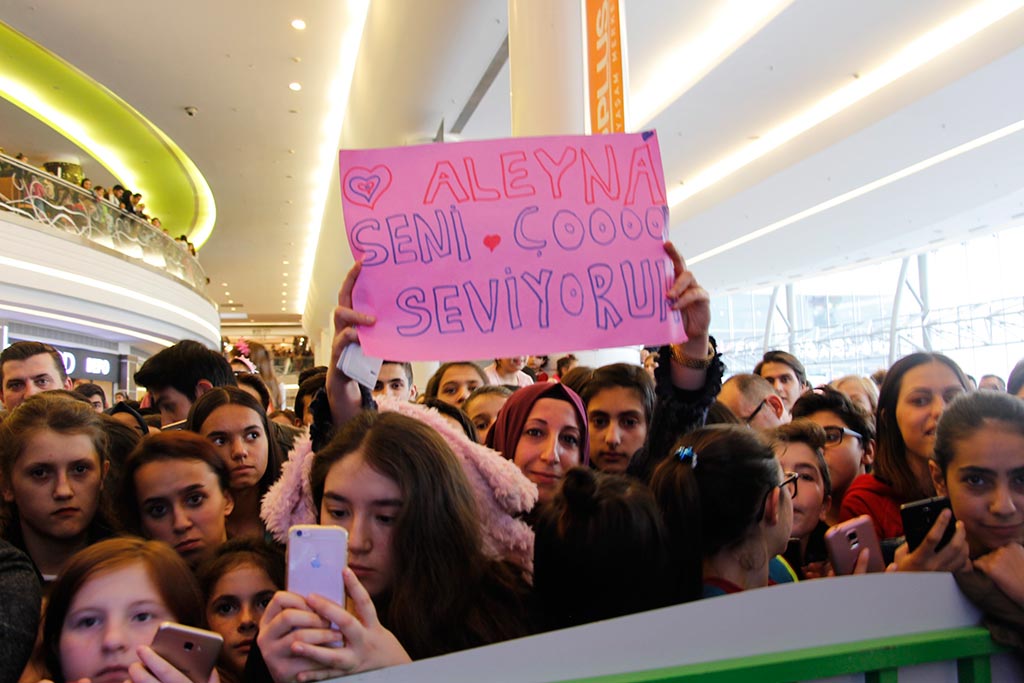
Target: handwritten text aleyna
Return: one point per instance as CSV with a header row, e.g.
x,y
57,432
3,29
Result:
x,y
540,173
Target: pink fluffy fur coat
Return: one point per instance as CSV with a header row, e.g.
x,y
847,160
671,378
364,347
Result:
x,y
502,492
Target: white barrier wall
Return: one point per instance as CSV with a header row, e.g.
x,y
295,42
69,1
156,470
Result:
x,y
776,619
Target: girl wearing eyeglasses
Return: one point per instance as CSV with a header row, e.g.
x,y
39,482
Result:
x,y
728,509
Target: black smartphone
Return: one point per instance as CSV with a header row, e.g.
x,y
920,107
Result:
x,y
919,518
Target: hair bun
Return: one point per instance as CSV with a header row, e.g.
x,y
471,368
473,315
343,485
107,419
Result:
x,y
579,488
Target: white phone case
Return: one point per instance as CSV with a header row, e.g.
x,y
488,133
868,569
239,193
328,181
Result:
x,y
358,366
316,557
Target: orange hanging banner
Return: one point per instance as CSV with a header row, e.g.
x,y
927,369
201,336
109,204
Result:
x,y
606,91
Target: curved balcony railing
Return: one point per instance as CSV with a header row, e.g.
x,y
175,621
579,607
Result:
x,y
42,197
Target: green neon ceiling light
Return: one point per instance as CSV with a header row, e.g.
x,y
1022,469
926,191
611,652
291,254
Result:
x,y
110,130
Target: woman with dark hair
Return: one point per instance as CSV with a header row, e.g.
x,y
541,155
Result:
x,y
415,549
237,426
600,551
542,428
106,607
174,489
916,390
53,461
728,509
979,465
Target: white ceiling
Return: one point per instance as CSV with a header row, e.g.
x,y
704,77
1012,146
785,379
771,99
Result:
x,y
419,62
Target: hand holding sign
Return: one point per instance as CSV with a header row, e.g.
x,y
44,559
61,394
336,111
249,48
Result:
x,y
342,393
689,298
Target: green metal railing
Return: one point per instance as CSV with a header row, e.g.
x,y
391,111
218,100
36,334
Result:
x,y
878,659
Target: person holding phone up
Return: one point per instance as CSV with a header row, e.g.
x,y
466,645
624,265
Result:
x,y
979,465
418,579
105,609
916,391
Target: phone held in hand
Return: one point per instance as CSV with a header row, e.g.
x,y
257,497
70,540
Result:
x,y
192,651
845,541
316,557
919,518
356,365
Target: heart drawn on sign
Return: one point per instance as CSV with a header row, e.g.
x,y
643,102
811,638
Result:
x,y
364,186
492,242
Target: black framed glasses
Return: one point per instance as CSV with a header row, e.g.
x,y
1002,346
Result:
x,y
789,482
834,435
748,419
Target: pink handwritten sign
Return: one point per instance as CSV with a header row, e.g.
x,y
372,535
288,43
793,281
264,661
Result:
x,y
504,247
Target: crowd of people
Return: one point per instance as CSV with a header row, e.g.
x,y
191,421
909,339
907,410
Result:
x,y
491,505
92,201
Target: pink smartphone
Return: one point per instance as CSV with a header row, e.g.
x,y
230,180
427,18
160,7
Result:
x,y
845,541
316,557
192,651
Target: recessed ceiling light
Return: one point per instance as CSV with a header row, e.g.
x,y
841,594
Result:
x,y
296,86
284,274
231,301
283,308
286,262
223,284
227,293
298,24
284,293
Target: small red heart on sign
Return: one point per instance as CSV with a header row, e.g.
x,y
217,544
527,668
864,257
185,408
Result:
x,y
492,242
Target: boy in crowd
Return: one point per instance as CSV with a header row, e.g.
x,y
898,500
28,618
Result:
x,y
799,447
177,376
94,392
849,439
395,380
785,373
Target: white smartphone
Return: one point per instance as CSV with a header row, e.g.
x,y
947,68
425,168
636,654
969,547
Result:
x,y
192,651
316,557
360,367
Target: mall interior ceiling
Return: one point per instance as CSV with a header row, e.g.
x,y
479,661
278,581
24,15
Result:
x,y
797,136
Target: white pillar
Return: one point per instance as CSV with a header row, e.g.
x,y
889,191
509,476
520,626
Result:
x,y
546,69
